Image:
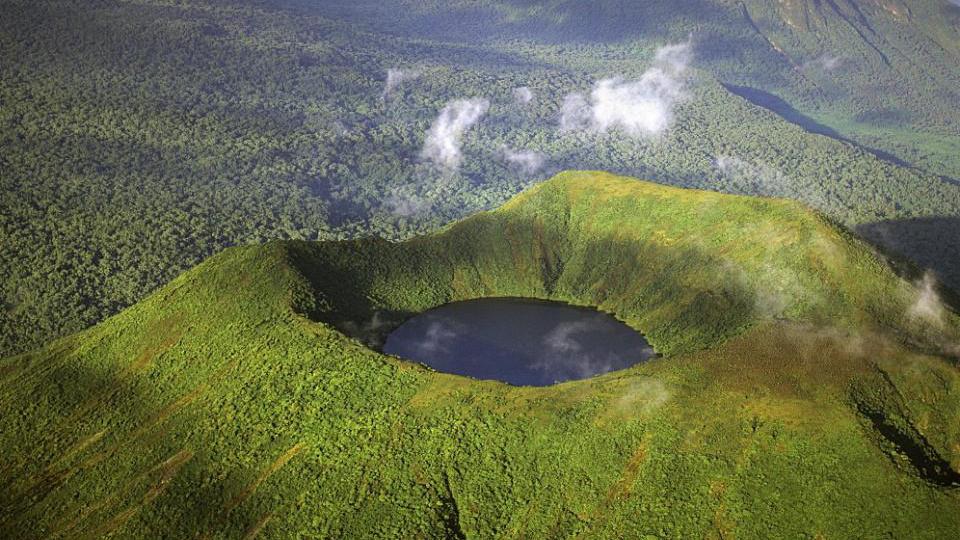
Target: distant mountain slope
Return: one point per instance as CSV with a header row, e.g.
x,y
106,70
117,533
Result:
x,y
801,392
866,64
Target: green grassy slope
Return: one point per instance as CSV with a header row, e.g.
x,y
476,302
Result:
x,y
801,392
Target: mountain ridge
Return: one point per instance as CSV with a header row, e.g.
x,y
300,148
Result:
x,y
247,397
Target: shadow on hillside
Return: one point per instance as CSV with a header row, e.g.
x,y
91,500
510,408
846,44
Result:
x,y
64,399
367,288
880,402
949,180
784,110
911,444
340,276
82,430
930,243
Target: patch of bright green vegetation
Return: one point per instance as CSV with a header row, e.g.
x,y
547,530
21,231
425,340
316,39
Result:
x,y
931,151
801,394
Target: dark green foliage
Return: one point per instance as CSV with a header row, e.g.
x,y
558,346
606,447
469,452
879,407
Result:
x,y
212,408
137,138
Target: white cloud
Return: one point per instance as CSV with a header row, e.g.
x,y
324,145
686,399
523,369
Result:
x,y
675,57
406,205
643,396
575,113
927,306
643,107
561,339
528,161
741,169
372,332
756,178
567,358
638,108
437,338
443,140
396,77
825,62
761,178
523,95
928,310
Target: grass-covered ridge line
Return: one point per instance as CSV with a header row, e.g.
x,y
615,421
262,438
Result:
x,y
215,408
687,267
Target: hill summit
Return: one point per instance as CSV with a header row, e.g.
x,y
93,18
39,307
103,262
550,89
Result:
x,y
804,389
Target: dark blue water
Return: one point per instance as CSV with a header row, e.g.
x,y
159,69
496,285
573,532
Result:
x,y
519,341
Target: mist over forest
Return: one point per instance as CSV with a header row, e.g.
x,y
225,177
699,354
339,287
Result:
x,y
141,137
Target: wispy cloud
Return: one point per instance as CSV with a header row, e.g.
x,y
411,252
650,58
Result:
x,y
825,62
372,332
523,95
757,173
403,204
528,161
442,146
566,357
561,339
927,307
643,396
929,312
773,294
396,77
756,178
575,113
642,107
439,336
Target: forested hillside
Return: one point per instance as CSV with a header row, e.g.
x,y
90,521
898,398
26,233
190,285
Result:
x,y
139,137
804,390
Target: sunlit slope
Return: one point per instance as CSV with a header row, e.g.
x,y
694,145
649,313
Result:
x,y
800,391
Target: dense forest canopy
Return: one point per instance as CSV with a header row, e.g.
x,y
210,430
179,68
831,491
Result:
x,y
804,390
139,137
